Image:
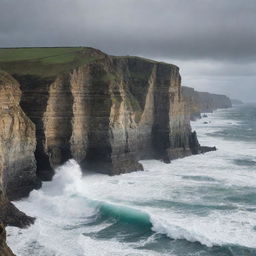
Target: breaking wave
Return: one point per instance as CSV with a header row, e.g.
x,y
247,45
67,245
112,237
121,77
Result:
x,y
200,205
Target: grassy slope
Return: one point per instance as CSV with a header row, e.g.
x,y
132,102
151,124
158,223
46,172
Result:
x,y
51,61
47,61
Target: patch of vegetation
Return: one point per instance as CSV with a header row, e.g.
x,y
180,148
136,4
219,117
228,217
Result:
x,y
38,53
45,61
134,104
143,59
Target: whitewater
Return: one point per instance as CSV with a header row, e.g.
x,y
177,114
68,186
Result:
x,y
197,206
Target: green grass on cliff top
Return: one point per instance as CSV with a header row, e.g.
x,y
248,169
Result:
x,y
51,61
45,61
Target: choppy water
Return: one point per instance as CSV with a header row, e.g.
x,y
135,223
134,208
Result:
x,y
198,206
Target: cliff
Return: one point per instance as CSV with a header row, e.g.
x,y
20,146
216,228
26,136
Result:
x,y
106,112
203,102
17,160
192,102
17,142
210,102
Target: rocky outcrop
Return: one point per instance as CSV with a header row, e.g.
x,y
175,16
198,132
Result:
x,y
107,114
203,102
17,142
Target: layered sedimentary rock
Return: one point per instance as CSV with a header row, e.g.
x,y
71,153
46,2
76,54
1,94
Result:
x,y
106,113
17,142
203,102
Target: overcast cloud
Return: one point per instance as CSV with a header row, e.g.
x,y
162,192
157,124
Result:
x,y
212,41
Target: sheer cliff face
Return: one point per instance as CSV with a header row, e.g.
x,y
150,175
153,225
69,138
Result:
x,y
17,142
203,102
107,115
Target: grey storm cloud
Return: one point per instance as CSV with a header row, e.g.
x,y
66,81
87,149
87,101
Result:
x,y
206,38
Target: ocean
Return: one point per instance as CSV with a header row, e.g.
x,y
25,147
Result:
x,y
202,205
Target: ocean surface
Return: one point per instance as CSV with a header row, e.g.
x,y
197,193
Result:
x,y
197,206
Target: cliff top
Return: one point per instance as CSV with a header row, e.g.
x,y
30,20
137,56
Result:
x,y
144,59
46,61
51,61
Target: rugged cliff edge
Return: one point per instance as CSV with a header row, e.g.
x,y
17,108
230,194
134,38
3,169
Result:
x,y
203,102
105,112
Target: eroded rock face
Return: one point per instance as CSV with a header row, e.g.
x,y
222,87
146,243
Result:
x,y
107,115
17,142
203,102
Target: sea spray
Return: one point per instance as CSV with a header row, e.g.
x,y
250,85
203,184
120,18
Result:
x,y
200,205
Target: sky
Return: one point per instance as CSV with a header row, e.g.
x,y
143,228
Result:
x,y
212,41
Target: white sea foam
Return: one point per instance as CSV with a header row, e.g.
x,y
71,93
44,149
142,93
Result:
x,y
183,200
94,247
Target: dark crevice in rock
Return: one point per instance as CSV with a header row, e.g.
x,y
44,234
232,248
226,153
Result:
x,y
35,94
99,150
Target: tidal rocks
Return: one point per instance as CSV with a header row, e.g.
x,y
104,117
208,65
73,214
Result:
x,y
205,149
11,216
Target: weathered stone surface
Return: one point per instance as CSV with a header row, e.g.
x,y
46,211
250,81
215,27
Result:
x,y
203,102
17,142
